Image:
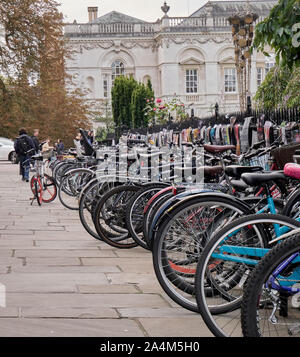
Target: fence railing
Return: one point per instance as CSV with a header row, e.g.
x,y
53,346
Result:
x,y
277,116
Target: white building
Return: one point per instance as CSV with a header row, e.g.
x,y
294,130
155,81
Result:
x,y
190,57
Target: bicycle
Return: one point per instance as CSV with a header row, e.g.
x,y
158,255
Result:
x,y
270,304
42,185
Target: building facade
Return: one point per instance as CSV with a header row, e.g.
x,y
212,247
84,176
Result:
x,y
191,58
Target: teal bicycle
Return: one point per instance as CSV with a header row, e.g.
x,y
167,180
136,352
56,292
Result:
x,y
229,258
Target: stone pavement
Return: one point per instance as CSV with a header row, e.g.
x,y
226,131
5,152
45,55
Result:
x,y
61,282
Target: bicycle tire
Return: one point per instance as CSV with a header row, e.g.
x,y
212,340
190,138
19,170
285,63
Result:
x,y
221,311
68,190
107,225
179,286
51,183
257,296
89,198
135,211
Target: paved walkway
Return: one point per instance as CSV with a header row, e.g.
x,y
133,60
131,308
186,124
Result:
x,y
62,282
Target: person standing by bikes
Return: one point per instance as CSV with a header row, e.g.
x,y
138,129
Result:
x,y
24,148
35,139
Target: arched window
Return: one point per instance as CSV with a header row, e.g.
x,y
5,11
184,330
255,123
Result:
x,y
117,69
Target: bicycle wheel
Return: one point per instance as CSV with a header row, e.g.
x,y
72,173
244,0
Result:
x,y
71,185
160,198
225,264
271,301
181,239
110,217
135,211
89,198
38,190
49,189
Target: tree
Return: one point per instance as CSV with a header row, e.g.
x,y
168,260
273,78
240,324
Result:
x,y
129,100
280,31
121,102
141,97
37,90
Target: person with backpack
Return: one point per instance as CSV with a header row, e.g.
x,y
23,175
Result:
x,y
24,148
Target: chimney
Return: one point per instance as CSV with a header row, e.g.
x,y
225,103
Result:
x,y
93,13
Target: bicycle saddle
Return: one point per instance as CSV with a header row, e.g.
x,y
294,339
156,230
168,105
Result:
x,y
213,170
37,157
217,149
236,171
292,170
255,179
239,185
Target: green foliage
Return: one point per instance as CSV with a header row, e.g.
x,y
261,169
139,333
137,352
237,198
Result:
x,y
129,99
159,112
141,97
121,101
292,92
281,88
279,31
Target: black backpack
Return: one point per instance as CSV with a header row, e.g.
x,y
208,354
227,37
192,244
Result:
x,y
24,144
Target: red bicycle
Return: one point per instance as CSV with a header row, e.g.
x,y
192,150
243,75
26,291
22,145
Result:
x,y
42,185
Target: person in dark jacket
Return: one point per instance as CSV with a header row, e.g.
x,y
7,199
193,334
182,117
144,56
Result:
x,y
24,148
35,139
60,147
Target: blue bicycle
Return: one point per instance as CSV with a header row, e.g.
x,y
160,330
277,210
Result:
x,y
271,300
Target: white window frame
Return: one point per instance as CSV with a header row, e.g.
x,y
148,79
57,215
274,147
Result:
x,y
268,66
105,85
230,80
259,75
117,70
191,81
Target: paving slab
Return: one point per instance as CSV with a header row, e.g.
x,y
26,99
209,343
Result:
x,y
26,327
62,282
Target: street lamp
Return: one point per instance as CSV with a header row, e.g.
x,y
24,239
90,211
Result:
x,y
217,111
242,32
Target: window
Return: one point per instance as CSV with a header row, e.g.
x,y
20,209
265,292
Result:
x,y
230,80
259,76
117,70
268,66
191,79
105,85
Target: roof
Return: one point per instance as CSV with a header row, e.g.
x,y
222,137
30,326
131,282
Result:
x,y
261,7
117,17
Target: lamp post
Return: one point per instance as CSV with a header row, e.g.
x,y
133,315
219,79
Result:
x,y
242,32
217,111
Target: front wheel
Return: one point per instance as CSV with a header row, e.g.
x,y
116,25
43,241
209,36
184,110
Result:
x,y
37,189
225,265
270,305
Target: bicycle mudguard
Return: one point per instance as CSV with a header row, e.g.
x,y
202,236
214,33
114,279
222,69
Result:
x,y
184,197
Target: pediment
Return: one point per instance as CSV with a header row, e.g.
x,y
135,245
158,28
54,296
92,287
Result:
x,y
191,61
117,17
227,60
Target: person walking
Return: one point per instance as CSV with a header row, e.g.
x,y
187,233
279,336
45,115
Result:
x,y
35,139
24,148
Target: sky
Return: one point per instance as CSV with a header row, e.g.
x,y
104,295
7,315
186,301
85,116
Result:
x,y
147,10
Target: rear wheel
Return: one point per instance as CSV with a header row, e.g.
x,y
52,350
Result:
x,y
181,239
110,217
269,308
225,265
